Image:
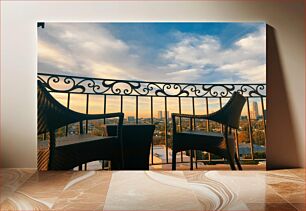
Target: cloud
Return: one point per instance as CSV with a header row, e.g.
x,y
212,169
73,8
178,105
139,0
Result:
x,y
254,43
52,55
84,49
244,61
183,72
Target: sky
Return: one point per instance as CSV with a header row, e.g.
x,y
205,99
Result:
x,y
175,52
168,52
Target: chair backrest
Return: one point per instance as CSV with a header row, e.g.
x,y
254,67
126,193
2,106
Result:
x,y
230,113
50,113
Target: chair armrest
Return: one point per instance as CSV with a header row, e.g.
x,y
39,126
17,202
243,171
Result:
x,y
211,117
190,116
102,116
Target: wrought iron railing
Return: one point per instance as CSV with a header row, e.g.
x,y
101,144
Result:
x,y
152,90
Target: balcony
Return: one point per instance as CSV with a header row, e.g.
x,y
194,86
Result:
x,y
145,102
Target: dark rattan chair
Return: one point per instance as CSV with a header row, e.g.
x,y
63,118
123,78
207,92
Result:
x,y
74,150
221,144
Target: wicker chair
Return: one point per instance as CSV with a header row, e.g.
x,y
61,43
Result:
x,y
221,144
74,150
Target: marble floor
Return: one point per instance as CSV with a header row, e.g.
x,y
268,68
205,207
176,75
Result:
x,y
27,189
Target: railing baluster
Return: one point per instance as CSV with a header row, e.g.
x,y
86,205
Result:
x,y
166,129
121,103
86,126
104,108
194,128
180,119
220,105
87,102
121,110
263,117
193,113
250,129
191,151
207,123
68,105
152,145
207,112
137,110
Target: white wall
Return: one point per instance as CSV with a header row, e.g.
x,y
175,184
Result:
x,y
285,78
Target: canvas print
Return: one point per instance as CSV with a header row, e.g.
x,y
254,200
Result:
x,y
151,96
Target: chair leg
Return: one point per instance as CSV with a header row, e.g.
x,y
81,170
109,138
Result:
x,y
191,161
238,162
230,158
196,159
173,160
232,163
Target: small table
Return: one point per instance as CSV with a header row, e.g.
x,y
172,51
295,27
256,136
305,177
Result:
x,y
137,140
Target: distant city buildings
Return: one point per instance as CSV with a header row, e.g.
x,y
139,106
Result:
x,y
162,114
254,110
131,119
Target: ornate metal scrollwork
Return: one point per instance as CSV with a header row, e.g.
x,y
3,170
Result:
x,y
85,85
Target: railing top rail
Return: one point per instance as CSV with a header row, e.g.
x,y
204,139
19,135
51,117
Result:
x,y
88,85
139,81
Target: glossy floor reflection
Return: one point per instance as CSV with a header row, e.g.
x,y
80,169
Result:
x,y
27,189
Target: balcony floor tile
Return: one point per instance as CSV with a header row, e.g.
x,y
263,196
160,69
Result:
x,y
25,189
